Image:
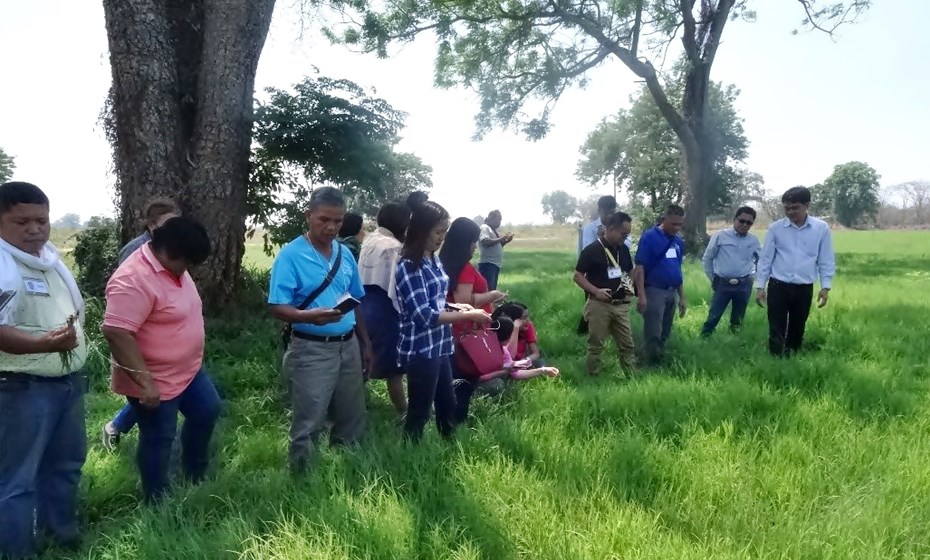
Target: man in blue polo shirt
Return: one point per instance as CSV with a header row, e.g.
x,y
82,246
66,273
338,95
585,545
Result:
x,y
659,281
322,361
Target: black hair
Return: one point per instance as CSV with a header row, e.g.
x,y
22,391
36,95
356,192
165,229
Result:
x,y
182,238
504,328
18,192
415,199
674,210
422,223
351,225
745,210
512,310
796,195
493,213
617,219
326,196
158,207
456,249
606,202
395,218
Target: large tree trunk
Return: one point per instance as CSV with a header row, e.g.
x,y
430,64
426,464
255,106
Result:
x,y
698,161
181,100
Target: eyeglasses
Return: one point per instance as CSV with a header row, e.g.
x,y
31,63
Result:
x,y
745,222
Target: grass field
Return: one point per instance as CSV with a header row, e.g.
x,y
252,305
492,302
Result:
x,y
727,453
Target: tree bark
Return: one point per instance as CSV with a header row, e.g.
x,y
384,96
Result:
x,y
697,160
181,99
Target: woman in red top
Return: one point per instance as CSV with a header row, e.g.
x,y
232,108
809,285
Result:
x,y
466,285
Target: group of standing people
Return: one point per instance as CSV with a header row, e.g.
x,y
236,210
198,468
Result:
x,y
418,293
797,253
154,327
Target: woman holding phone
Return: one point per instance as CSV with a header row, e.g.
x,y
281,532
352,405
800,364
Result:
x,y
425,345
466,284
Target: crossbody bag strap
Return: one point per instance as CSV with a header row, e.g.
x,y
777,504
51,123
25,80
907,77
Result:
x,y
326,281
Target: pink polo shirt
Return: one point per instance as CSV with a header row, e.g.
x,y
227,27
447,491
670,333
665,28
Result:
x,y
166,315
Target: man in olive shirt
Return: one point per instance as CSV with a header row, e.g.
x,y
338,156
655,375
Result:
x,y
43,443
603,272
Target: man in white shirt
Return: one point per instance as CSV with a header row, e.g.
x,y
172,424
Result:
x,y
798,251
606,207
491,248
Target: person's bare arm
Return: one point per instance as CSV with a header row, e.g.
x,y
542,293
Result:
x,y
639,278
316,316
361,331
532,351
128,357
602,294
19,342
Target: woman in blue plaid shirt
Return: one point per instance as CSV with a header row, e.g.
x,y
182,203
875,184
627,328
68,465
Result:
x,y
425,346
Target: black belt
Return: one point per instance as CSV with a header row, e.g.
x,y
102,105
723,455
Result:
x,y
667,288
16,376
318,338
734,280
783,283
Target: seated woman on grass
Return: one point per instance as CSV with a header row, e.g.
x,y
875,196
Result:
x,y
523,344
492,383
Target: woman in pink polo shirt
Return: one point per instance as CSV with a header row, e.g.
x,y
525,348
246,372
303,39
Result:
x,y
154,326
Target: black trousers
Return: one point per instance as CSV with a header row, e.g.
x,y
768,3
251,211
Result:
x,y
789,307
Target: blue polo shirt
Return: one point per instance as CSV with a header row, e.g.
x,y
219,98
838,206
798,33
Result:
x,y
299,269
661,256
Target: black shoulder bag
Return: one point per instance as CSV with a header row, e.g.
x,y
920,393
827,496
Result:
x,y
289,327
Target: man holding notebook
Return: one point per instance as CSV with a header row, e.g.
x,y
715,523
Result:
x,y
310,280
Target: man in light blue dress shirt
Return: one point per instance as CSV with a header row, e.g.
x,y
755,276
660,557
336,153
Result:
x,y
798,251
606,207
729,261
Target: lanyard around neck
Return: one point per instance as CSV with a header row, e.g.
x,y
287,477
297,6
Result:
x,y
610,257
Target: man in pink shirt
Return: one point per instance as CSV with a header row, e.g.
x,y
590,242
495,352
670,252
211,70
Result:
x,y
154,326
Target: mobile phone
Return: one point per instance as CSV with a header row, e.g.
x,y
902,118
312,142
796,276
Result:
x,y
346,303
6,297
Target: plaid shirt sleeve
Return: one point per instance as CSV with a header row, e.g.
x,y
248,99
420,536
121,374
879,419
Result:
x,y
414,296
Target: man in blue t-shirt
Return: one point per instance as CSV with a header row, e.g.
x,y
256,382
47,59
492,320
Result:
x,y
659,281
322,362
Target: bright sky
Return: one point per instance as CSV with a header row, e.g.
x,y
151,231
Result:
x,y
809,103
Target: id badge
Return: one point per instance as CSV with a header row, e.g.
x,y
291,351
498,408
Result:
x,y
614,272
672,253
36,286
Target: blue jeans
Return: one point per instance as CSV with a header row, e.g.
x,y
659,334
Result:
x,y
125,419
43,446
491,272
429,381
200,405
726,294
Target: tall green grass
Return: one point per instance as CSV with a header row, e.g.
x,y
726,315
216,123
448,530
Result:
x,y
726,453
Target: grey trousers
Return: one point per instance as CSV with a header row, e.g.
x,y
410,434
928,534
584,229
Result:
x,y
657,321
325,378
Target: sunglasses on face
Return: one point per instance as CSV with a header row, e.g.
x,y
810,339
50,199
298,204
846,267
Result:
x,y
745,222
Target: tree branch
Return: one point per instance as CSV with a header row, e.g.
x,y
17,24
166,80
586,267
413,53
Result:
x,y
689,36
637,24
716,30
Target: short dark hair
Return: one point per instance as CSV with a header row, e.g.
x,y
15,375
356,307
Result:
x,y
182,238
801,195
606,202
326,196
422,222
415,199
456,249
351,225
158,207
18,192
745,210
674,210
617,219
504,328
395,218
493,213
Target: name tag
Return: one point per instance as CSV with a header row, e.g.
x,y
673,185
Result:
x,y
36,287
614,272
672,253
